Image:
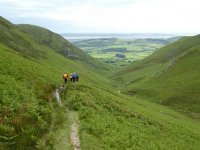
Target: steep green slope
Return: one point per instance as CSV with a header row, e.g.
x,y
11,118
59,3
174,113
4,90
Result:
x,y
63,47
29,74
164,54
110,120
54,41
178,86
169,76
12,37
25,98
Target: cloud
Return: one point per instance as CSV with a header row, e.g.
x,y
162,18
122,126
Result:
x,y
23,4
107,15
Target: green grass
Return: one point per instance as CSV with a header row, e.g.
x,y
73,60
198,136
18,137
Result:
x,y
169,76
31,119
110,120
179,86
30,72
26,96
25,101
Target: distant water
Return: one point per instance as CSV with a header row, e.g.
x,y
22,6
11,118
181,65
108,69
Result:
x,y
84,36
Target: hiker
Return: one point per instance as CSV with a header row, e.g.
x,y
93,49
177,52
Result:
x,y
73,77
77,77
65,77
70,77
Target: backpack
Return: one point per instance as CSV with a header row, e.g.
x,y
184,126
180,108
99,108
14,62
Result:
x,y
65,76
73,75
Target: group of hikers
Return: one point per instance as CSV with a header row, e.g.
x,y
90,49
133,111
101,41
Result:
x,y
73,77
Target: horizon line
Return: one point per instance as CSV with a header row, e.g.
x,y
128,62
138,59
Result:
x,y
127,33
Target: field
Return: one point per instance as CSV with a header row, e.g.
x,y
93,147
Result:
x,y
121,52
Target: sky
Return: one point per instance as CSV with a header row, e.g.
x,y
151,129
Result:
x,y
106,16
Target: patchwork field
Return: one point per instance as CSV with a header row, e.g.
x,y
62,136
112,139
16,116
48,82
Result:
x,y
120,52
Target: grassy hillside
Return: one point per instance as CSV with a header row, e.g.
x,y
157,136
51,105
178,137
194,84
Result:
x,y
29,74
169,76
54,41
31,119
165,54
110,120
63,47
18,41
25,97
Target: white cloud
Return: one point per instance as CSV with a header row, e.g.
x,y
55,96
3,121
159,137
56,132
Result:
x,y
23,4
111,15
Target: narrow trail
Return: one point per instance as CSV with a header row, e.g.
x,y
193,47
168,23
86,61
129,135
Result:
x,y
57,96
74,132
74,137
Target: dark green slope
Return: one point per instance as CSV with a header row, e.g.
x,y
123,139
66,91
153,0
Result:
x,y
5,22
169,76
31,46
12,37
63,47
54,41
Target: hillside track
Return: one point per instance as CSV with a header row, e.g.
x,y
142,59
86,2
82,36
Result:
x,y
74,137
